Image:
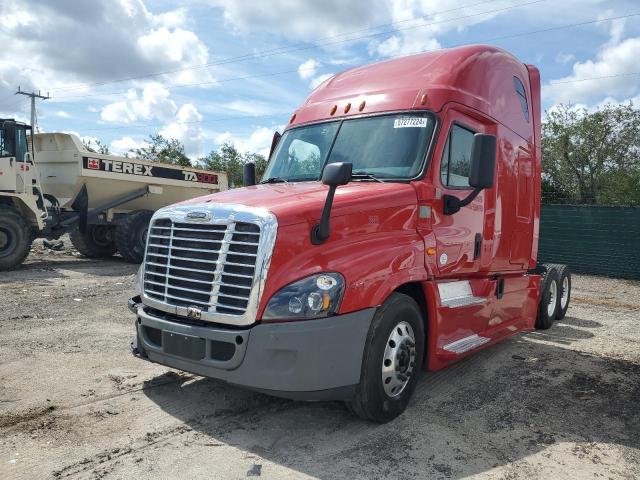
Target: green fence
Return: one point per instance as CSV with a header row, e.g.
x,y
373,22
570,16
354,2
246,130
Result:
x,y
595,240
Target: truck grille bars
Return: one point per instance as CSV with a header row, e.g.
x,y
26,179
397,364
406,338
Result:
x,y
213,269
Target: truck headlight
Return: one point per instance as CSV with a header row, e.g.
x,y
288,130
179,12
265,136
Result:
x,y
137,282
316,296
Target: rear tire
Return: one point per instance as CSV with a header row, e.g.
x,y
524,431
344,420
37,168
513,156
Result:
x,y
15,238
548,306
564,292
96,242
131,235
392,360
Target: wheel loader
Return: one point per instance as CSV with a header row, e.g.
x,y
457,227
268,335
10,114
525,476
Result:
x,y
50,184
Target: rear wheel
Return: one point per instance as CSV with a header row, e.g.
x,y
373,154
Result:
x,y
392,360
131,235
564,296
15,238
95,242
549,291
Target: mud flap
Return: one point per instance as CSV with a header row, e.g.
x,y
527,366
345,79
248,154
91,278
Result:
x,y
81,206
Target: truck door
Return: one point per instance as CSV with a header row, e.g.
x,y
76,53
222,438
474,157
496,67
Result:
x,y
459,237
7,159
24,167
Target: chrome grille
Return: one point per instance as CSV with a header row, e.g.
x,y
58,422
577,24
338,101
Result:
x,y
208,266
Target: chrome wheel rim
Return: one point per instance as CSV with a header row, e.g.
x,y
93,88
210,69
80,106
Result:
x,y
399,359
553,298
564,298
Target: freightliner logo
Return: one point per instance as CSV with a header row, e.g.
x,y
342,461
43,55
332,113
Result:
x,y
132,168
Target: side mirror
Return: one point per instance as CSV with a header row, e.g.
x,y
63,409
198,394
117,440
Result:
x,y
483,161
481,172
274,142
249,174
333,175
336,174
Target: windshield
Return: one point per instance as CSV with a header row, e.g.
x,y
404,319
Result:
x,y
386,146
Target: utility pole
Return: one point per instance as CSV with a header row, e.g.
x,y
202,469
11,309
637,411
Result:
x,y
33,96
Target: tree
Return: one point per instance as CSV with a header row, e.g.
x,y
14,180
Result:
x,y
229,160
163,150
592,157
95,146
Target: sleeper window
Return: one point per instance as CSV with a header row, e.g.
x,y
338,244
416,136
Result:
x,y
522,96
456,159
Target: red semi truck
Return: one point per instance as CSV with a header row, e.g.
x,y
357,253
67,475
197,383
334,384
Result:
x,y
395,230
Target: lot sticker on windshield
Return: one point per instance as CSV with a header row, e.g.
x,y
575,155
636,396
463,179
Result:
x,y
407,122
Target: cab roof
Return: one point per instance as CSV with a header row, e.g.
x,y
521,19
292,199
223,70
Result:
x,y
479,76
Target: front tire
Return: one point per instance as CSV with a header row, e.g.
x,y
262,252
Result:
x,y
131,235
392,361
15,238
95,242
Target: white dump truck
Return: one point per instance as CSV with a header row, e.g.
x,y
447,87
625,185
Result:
x,y
50,184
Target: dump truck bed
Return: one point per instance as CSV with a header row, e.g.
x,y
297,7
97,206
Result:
x,y
65,165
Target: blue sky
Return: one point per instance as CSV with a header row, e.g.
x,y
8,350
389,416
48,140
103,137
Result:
x,y
210,71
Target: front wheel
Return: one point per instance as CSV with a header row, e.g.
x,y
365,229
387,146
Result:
x,y
15,238
131,235
392,360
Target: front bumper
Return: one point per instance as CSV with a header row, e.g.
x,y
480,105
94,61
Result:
x,y
307,360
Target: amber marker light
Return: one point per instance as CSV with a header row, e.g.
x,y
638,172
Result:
x,y
431,251
347,108
423,100
293,117
361,107
333,109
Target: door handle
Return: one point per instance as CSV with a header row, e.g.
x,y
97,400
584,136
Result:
x,y
477,246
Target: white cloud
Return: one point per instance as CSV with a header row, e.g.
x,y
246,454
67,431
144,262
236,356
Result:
x,y
610,71
61,114
308,69
247,107
306,20
258,141
79,43
186,128
564,58
121,146
153,103
319,79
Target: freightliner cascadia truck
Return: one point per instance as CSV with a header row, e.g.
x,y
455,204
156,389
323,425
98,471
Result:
x,y
395,230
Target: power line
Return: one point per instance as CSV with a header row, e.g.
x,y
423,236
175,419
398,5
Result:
x,y
587,79
282,50
275,114
271,74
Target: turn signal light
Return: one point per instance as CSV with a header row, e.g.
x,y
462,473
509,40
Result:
x,y
431,251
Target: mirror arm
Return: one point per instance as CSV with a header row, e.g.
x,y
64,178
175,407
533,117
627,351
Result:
x,y
452,204
320,232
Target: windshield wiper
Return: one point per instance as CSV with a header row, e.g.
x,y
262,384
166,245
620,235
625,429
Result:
x,y
365,176
274,180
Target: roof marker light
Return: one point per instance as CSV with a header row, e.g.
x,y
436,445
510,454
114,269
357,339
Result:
x,y
347,108
293,117
333,109
423,100
361,107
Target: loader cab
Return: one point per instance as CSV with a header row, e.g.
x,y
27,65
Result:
x,y
13,140
16,163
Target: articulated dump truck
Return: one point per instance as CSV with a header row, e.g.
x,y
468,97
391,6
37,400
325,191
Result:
x,y
50,184
395,230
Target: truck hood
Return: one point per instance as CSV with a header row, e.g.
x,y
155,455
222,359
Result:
x,y
299,202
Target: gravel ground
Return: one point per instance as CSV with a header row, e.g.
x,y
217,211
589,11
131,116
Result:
x,y
75,404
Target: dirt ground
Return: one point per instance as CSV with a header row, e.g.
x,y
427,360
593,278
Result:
x,y
75,404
